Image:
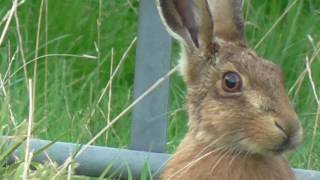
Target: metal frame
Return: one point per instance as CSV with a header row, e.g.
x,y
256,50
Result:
x,y
94,160
149,117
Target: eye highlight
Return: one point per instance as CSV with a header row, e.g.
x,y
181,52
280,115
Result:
x,y
232,82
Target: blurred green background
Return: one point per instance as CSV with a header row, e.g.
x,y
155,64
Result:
x,y
68,88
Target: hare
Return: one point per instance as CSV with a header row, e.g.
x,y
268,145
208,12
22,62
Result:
x,y
241,123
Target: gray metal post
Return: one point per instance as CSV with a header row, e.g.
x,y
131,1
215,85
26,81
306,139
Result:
x,y
149,123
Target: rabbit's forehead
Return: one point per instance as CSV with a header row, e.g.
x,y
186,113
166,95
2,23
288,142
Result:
x,y
247,62
259,73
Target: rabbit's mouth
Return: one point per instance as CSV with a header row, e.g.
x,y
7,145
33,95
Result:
x,y
278,143
289,144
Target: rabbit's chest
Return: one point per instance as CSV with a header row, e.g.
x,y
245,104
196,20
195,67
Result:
x,y
217,167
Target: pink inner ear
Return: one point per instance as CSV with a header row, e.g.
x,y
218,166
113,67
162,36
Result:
x,y
185,10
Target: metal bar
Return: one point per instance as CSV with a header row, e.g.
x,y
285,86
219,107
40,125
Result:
x,y
302,174
95,159
149,123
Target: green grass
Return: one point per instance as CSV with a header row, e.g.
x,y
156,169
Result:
x,y
67,90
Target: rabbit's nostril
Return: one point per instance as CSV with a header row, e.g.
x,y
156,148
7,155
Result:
x,y
280,127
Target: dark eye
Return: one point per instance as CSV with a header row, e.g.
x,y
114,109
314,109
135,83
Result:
x,y
232,82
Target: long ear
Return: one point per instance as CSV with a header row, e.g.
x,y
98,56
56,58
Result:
x,y
228,19
189,21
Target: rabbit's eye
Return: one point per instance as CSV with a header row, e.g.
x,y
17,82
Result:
x,y
232,82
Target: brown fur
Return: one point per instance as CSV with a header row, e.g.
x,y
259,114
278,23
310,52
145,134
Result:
x,y
223,165
241,135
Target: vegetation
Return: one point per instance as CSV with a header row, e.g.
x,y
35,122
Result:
x,y
68,47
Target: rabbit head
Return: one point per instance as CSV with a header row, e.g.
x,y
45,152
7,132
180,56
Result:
x,y
236,99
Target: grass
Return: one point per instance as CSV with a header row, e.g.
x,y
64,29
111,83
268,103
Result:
x,y
74,54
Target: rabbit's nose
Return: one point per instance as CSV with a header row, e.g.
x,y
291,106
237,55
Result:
x,y
289,143
292,137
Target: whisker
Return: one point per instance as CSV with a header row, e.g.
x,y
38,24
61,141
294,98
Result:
x,y
194,162
238,152
225,154
199,156
218,139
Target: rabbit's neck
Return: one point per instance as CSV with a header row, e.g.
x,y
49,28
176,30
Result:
x,y
194,161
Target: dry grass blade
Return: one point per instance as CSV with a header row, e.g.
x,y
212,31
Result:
x,y
311,81
124,56
122,60
11,60
318,110
5,93
35,67
5,17
84,56
6,27
46,74
298,83
117,118
69,172
28,155
110,91
61,170
314,134
25,71
126,110
276,23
